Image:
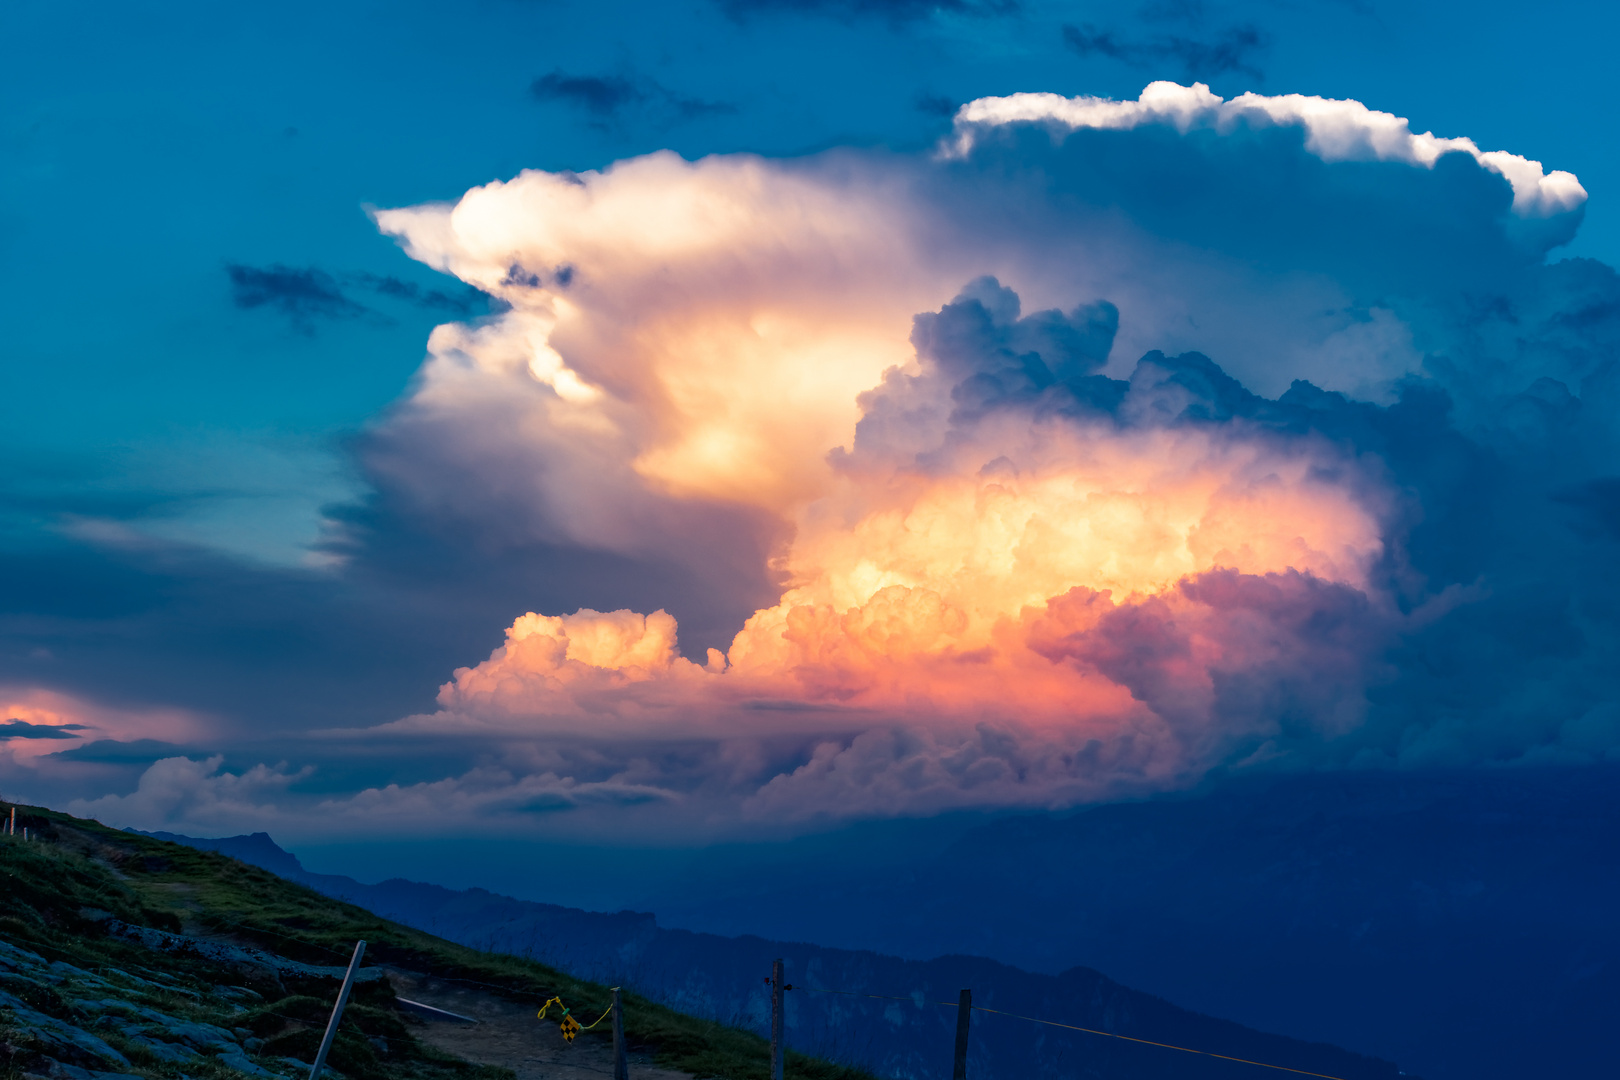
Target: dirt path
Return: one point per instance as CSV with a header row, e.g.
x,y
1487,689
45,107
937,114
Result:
x,y
508,1034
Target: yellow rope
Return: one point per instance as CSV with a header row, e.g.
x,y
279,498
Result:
x,y
570,1026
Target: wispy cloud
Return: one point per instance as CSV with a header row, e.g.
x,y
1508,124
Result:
x,y
612,99
15,728
302,295
1233,49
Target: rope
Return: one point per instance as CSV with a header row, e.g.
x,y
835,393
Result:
x,y
570,1026
852,993
1075,1027
1150,1042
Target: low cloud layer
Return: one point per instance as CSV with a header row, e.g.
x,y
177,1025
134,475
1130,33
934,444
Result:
x,y
1106,445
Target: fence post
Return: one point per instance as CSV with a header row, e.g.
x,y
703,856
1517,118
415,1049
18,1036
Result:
x,y
964,1013
621,1064
778,1049
337,1011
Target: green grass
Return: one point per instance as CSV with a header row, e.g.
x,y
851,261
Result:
x,y
57,889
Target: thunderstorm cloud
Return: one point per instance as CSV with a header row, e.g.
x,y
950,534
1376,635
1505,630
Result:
x,y
1105,444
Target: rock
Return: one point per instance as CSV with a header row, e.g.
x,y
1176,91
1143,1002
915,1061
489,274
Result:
x,y
204,1037
135,980
57,1070
222,952
241,1063
155,1017
252,1045
20,957
61,1039
164,1051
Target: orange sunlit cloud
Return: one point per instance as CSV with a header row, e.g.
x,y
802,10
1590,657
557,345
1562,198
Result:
x,y
969,536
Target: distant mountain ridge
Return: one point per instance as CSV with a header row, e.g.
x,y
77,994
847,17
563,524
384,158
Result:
x,y
909,1039
1461,922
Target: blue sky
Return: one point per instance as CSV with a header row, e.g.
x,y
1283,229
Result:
x,y
219,518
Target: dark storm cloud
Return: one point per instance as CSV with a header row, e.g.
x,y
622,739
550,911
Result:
x,y
1517,666
935,104
302,295
309,294
113,752
1231,50
1598,502
599,95
22,729
463,302
607,98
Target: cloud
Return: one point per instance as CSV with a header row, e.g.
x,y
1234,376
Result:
x,y
181,792
1335,130
301,295
1109,445
1231,50
114,751
935,105
16,728
201,797
600,95
610,98
39,720
1598,502
464,302
1129,581
309,294
1193,511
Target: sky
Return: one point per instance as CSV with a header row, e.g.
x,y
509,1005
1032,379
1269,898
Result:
x,y
667,423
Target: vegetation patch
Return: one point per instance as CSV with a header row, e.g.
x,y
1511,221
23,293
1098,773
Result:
x,y
81,985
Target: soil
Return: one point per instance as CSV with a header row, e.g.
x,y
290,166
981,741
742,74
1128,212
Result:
x,y
508,1034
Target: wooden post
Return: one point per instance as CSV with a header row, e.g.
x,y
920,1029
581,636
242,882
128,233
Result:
x,y
621,1064
337,1011
964,1013
778,1045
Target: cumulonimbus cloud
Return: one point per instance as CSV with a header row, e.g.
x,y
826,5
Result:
x,y
1105,445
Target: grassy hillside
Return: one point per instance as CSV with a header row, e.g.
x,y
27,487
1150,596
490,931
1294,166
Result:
x,y
82,995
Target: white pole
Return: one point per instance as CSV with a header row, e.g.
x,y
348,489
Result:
x,y
337,1011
